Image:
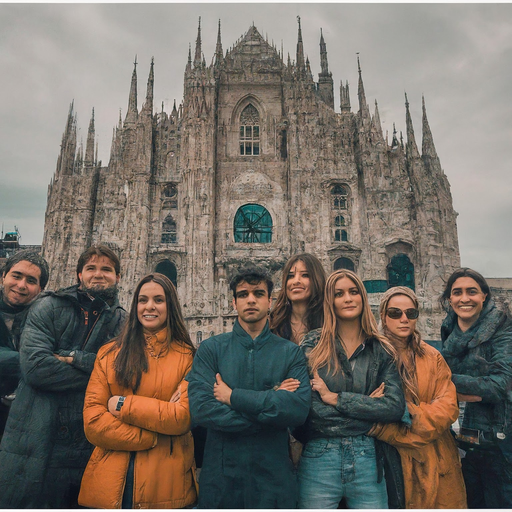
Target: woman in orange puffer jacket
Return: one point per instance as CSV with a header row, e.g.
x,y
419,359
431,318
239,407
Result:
x,y
136,409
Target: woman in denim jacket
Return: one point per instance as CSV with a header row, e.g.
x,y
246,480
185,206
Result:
x,y
477,345
355,384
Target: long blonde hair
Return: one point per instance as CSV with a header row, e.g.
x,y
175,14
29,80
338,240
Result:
x,y
324,353
413,343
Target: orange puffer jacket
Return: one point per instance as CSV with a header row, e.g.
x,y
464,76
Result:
x,y
430,459
157,430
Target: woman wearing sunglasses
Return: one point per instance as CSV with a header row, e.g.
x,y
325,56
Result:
x,y
477,345
430,459
355,384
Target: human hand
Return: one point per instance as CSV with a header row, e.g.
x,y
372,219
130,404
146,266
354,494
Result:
x,y
64,359
379,392
112,404
468,398
176,396
289,385
327,396
221,391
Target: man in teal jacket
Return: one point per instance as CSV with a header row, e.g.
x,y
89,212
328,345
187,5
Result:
x,y
247,387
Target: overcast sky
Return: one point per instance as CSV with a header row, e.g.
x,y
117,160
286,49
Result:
x,y
458,55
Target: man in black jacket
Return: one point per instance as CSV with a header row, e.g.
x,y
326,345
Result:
x,y
44,450
24,276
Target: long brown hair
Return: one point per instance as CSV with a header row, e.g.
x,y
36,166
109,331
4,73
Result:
x,y
282,311
131,360
413,343
325,351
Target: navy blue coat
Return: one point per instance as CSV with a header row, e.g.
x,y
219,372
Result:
x,y
246,462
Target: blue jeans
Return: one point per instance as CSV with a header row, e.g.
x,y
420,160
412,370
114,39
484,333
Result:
x,y
331,469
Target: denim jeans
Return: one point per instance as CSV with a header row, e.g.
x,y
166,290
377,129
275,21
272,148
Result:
x,y
331,469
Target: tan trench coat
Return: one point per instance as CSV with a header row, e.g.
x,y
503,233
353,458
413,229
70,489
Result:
x,y
430,459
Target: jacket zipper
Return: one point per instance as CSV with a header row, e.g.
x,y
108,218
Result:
x,y
86,315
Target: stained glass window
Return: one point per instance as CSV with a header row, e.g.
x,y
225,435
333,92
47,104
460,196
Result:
x,y
253,224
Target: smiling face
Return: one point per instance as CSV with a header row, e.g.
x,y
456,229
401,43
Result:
x,y
298,284
402,327
152,307
348,303
98,273
467,300
252,304
21,283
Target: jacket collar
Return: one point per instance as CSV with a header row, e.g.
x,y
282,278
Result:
x,y
246,340
71,293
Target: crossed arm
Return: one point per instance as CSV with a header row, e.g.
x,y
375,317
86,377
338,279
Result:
x,y
213,404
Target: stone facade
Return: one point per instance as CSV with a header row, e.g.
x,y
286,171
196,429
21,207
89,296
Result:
x,y
255,165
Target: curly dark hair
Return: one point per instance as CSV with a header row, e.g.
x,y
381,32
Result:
x,y
251,275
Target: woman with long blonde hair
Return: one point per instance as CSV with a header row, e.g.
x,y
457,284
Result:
x,y
429,455
355,383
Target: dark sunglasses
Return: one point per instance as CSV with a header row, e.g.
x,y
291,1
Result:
x,y
396,313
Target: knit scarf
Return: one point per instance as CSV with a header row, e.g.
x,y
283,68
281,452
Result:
x,y
456,342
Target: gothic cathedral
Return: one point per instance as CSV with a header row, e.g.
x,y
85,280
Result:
x,y
255,165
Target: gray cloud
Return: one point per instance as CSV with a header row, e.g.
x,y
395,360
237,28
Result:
x,y
457,55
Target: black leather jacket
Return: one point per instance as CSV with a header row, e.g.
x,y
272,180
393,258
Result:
x,y
355,413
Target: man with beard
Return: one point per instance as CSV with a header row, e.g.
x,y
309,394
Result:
x,y
24,276
44,450
247,387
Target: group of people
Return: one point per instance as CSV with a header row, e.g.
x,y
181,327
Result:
x,y
307,403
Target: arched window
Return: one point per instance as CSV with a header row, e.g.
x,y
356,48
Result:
x,y
340,235
168,269
169,234
250,131
339,220
199,338
344,263
401,271
253,224
339,196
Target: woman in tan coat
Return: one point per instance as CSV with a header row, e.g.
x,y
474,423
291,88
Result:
x,y
136,409
430,459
